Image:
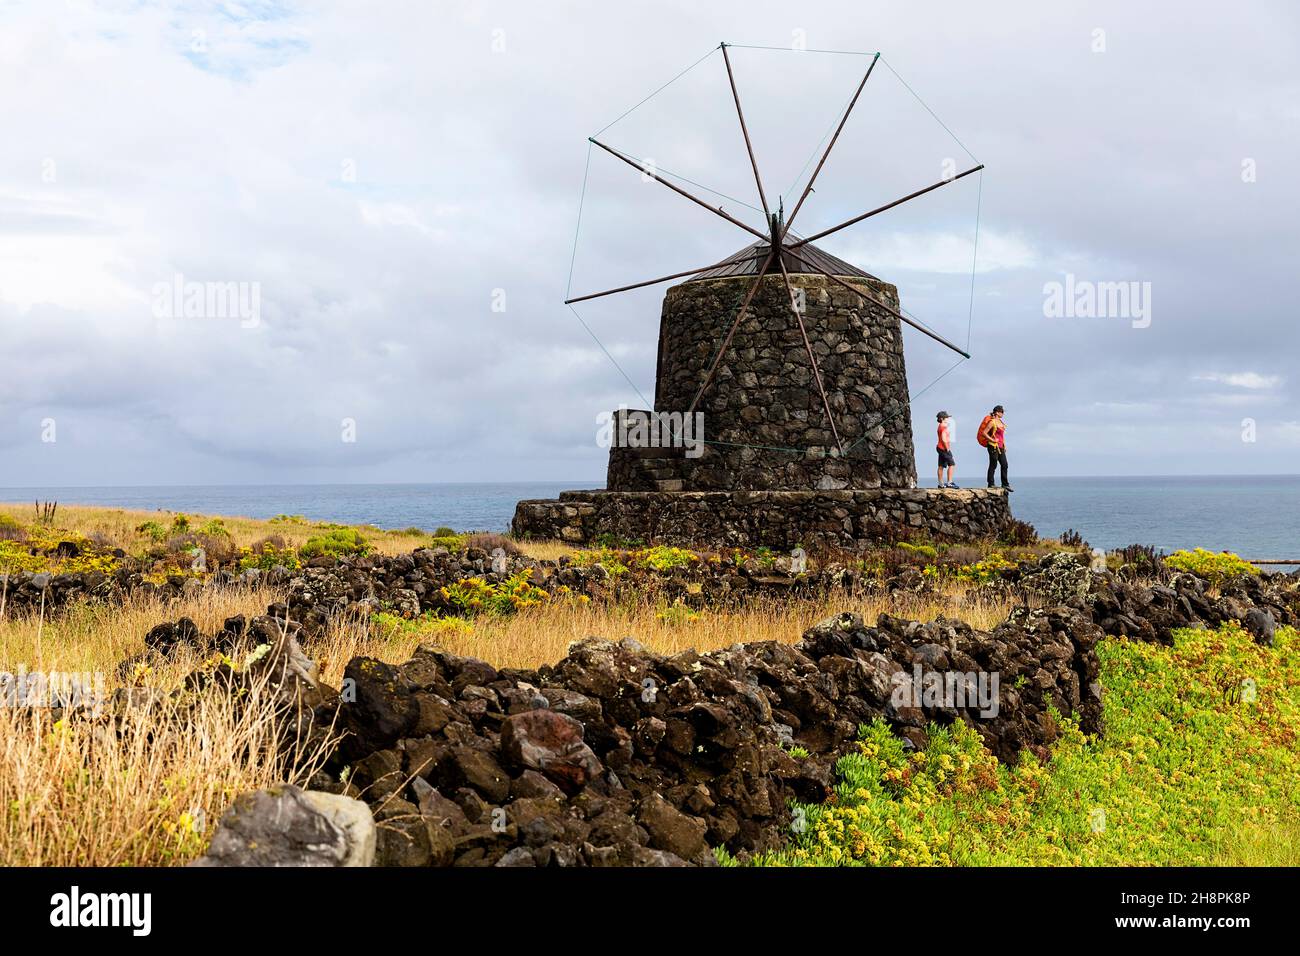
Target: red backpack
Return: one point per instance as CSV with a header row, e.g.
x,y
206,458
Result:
x,y
983,438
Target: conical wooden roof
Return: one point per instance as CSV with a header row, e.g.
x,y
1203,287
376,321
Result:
x,y
747,261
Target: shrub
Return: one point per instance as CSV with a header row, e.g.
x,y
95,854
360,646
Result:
x,y
923,550
215,528
657,558
442,531
153,530
14,558
180,524
216,550
338,542
1020,534
1217,568
1142,559
90,560
471,596
986,571
391,627
267,554
1072,539
962,554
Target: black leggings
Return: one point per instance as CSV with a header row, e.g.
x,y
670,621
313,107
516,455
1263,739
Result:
x,y
997,456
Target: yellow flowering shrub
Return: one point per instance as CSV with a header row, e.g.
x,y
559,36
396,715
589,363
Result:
x,y
267,555
986,571
393,627
39,553
475,595
1216,567
656,558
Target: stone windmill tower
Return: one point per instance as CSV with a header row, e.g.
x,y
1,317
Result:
x,y
780,383
813,400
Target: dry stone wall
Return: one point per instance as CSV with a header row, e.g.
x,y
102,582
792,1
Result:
x,y
773,519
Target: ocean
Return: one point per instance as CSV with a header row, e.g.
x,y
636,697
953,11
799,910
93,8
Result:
x,y
1255,516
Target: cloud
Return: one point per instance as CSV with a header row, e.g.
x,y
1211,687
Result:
x,y
385,173
944,252
1250,380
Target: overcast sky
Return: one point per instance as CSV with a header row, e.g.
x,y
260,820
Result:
x,y
399,184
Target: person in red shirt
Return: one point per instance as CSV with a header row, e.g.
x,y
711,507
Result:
x,y
994,438
944,447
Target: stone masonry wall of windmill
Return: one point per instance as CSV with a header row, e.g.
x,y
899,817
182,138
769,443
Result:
x,y
765,427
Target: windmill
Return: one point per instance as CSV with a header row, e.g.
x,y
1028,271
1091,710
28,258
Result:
x,y
778,251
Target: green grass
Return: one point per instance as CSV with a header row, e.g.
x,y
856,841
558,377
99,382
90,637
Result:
x,y
1199,765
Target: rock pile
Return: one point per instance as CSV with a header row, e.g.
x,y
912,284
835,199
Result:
x,y
616,755
30,592
1152,613
411,584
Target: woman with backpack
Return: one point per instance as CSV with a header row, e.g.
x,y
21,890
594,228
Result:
x,y
993,436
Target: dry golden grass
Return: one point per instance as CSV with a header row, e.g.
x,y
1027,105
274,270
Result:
x,y
542,635
77,794
117,526
96,636
75,797
551,550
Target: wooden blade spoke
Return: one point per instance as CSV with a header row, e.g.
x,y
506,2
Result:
x,y
767,213
675,275
717,359
829,146
884,305
887,206
812,357
716,210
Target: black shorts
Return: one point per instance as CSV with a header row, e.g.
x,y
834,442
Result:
x,y
945,458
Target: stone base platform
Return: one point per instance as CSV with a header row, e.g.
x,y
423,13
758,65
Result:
x,y
780,520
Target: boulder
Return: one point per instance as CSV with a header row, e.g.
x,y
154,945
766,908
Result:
x,y
286,826
552,744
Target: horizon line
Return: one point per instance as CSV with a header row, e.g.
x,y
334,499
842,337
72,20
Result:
x,y
577,484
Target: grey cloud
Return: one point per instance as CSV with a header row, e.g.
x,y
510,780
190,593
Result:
x,y
377,293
